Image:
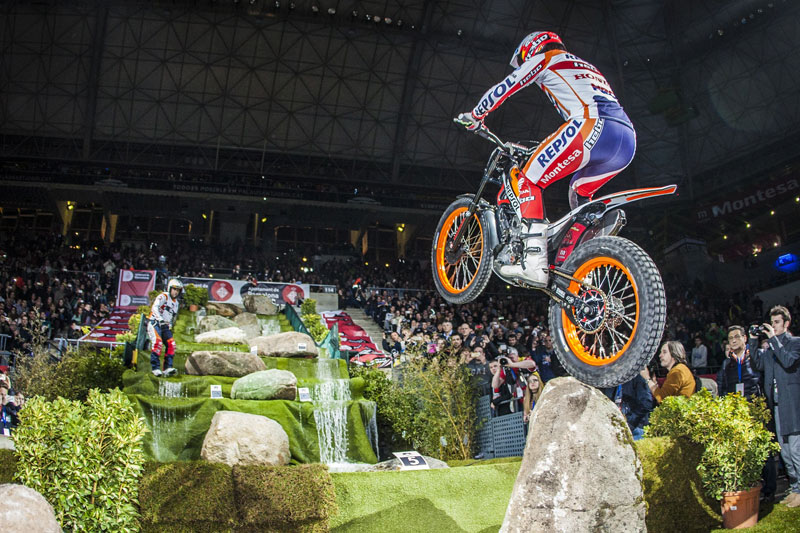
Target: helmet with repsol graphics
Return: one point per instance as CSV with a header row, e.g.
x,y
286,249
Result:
x,y
532,45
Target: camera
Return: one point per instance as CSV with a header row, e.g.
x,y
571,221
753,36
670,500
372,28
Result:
x,y
755,330
503,360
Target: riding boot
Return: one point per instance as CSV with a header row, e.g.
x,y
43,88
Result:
x,y
533,268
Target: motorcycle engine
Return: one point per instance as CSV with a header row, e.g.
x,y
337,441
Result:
x,y
509,229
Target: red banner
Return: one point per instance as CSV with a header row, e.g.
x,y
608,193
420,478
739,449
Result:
x,y
134,286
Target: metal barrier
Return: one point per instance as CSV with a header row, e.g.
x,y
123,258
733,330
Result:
x,y
501,436
5,355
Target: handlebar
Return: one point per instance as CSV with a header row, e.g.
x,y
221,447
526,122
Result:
x,y
483,131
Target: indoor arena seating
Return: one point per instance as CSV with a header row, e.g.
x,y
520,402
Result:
x,y
356,340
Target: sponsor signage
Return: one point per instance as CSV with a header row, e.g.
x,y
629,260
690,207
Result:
x,y
735,204
231,291
133,287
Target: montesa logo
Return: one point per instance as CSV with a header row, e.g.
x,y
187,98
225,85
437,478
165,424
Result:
x,y
731,206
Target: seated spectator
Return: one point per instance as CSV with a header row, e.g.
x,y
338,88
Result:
x,y
635,402
8,411
531,395
393,344
679,381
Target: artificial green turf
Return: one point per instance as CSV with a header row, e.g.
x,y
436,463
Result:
x,y
471,499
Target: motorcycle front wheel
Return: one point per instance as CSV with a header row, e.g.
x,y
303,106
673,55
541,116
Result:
x,y
614,330
461,272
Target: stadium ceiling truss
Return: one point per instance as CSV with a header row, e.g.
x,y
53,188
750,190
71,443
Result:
x,y
365,91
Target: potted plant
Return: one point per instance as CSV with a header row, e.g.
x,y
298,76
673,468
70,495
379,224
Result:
x,y
736,442
195,297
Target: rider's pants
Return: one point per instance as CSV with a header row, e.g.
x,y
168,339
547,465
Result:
x,y
158,335
595,150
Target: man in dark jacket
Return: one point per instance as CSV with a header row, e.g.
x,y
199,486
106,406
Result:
x,y
737,375
780,362
635,401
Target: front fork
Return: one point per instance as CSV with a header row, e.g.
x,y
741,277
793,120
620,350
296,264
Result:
x,y
452,248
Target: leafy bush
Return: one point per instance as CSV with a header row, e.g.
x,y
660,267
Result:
x,y
308,307
152,295
433,408
732,431
85,459
194,295
379,389
315,327
8,466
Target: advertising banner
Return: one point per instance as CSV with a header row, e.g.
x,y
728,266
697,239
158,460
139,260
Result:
x,y
231,291
134,286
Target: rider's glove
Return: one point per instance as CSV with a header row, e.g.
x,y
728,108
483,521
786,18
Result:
x,y
469,122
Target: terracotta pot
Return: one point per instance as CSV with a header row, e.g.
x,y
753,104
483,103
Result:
x,y
740,508
193,307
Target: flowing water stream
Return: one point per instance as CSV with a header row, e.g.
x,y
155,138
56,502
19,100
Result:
x,y
331,397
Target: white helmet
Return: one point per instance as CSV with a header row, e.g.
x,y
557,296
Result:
x,y
175,283
532,45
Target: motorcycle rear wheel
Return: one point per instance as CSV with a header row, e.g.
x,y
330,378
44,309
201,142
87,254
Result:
x,y
461,274
620,322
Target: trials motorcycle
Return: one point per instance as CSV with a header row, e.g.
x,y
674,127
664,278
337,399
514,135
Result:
x,y
607,308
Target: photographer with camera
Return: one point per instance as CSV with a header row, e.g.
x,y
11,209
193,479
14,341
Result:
x,y
508,385
780,362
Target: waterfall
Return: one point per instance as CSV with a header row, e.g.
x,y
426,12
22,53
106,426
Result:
x,y
269,326
331,397
171,389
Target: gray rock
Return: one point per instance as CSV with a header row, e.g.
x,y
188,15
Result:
x,y
213,323
218,363
246,319
394,464
259,304
580,471
244,439
287,344
24,509
228,310
271,384
222,336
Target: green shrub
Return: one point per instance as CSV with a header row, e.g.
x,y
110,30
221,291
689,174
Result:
x,y
8,466
280,498
85,459
315,327
152,295
308,307
195,497
379,389
433,409
84,369
194,295
731,430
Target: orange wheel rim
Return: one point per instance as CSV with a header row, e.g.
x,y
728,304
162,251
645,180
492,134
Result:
x,y
614,337
459,276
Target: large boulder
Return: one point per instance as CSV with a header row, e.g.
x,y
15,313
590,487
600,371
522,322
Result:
x,y
228,310
24,509
222,336
265,385
244,439
213,323
580,471
287,344
259,304
246,319
217,363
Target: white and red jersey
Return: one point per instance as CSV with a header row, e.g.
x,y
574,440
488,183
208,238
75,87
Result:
x,y
576,88
164,309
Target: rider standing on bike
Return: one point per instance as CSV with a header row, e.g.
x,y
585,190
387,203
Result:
x,y
596,141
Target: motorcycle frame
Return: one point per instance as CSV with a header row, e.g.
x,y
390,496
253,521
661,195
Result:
x,y
579,220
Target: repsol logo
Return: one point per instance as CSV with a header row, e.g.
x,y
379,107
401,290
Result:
x,y
561,141
493,96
